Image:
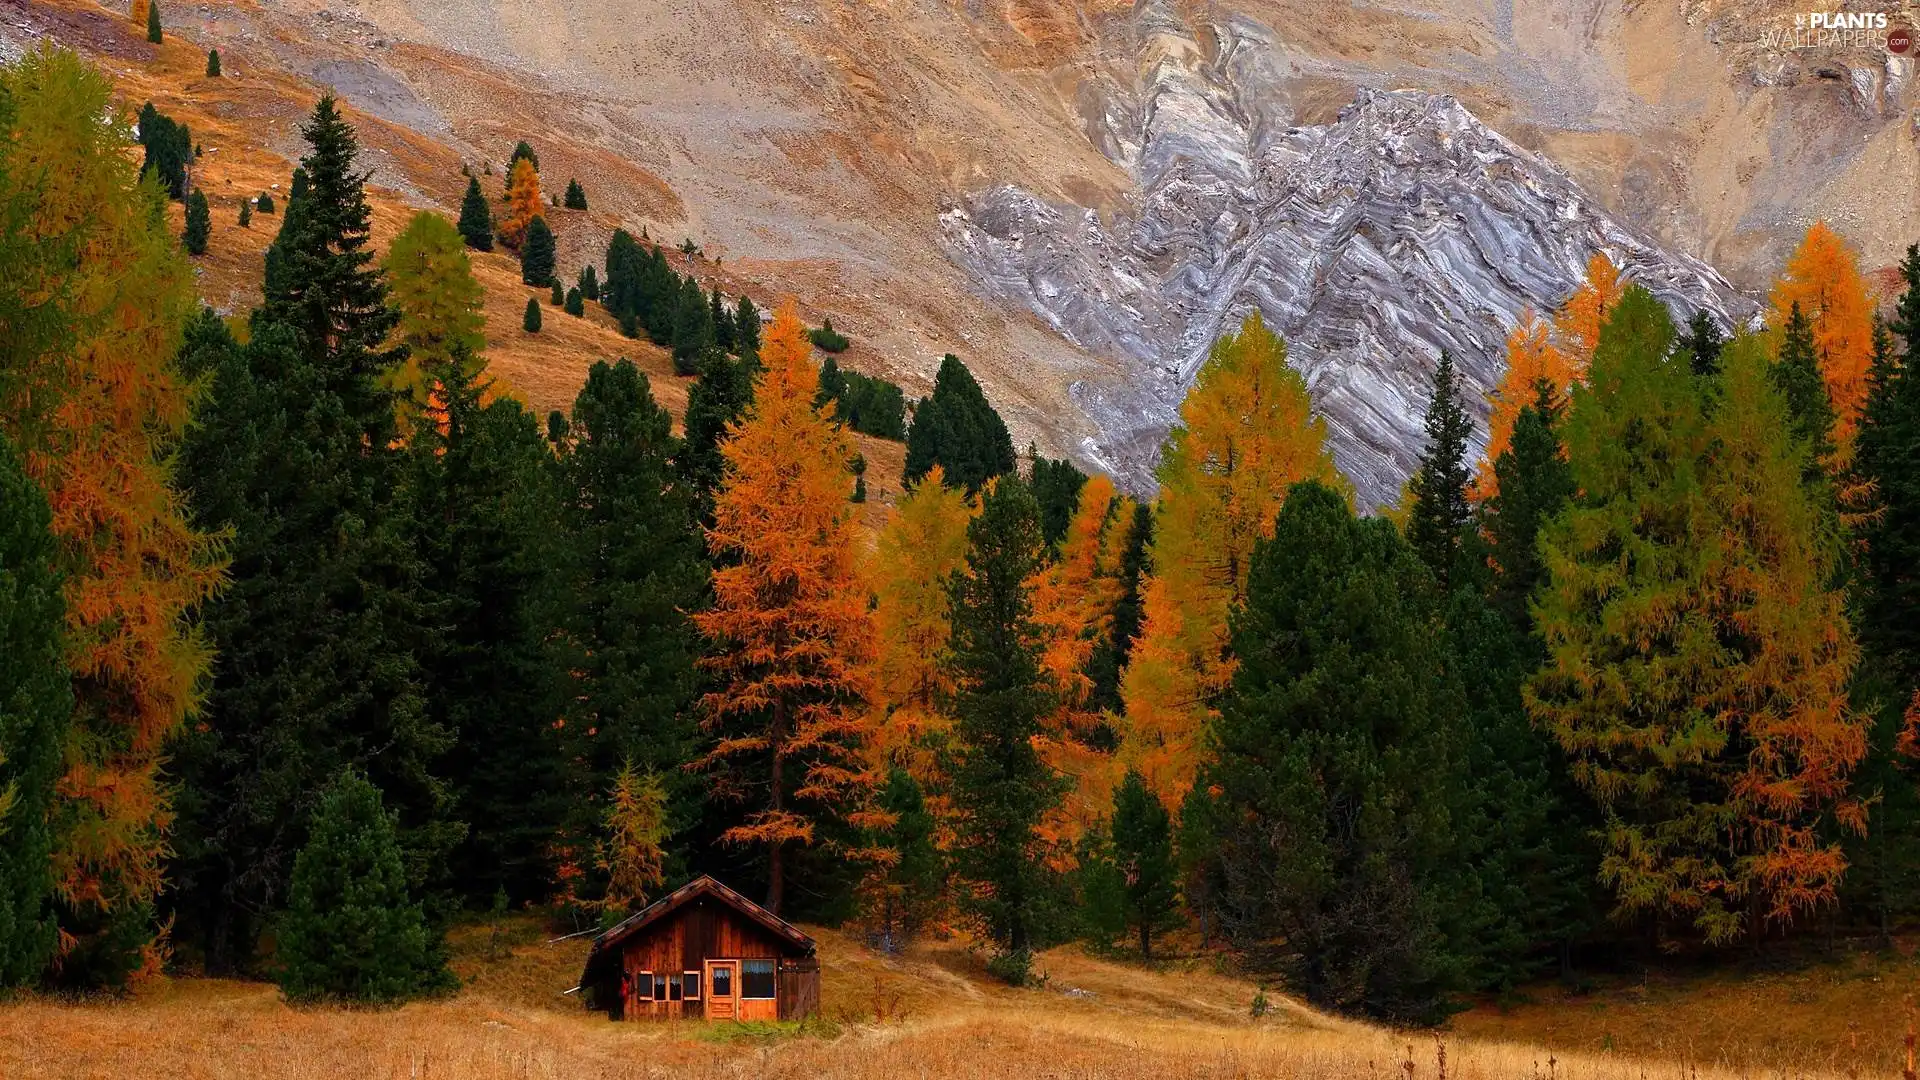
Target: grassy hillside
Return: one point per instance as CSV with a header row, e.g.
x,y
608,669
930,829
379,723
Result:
x,y
247,123
932,1014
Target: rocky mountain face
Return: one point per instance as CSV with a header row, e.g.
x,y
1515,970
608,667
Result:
x,y
1076,195
1403,228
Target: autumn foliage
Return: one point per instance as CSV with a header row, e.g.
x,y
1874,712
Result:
x,y
1073,603
1247,434
792,639
97,420
923,542
1531,357
1823,278
523,203
1561,358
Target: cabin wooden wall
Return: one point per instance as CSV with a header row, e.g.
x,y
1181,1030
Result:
x,y
797,987
703,930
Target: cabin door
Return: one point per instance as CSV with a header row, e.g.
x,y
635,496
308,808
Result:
x,y
723,989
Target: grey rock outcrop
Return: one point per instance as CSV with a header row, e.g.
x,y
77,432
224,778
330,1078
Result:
x,y
1403,228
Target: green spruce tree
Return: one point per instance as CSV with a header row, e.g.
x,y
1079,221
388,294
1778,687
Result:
x,y
153,23
199,224
714,401
693,332
576,196
1337,771
958,430
632,567
537,254
1440,513
351,932
1056,484
36,705
905,894
1702,343
1535,482
476,217
1885,880
1796,375
575,305
1142,847
746,328
484,488
531,321
213,63
298,456
1001,787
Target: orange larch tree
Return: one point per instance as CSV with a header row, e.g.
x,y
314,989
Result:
x,y
523,203
1823,277
923,542
97,419
1073,603
1531,356
1247,434
792,640
1577,327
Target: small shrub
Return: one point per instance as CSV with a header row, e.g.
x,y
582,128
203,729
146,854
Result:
x,y
213,63
264,203
827,339
688,247
246,213
1013,967
1261,1006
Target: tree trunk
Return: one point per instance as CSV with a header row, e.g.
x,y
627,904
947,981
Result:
x,y
1146,940
776,879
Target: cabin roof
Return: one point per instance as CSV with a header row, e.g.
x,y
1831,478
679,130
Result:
x,y
610,940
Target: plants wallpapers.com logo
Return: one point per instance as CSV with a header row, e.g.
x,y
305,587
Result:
x,y
1844,30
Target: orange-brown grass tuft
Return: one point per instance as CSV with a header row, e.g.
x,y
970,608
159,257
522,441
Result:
x,y
1837,1015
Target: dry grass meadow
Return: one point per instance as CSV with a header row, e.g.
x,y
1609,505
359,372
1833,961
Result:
x,y
933,1014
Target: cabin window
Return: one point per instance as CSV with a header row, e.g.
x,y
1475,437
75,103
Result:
x,y
673,988
722,981
660,987
756,979
643,985
690,984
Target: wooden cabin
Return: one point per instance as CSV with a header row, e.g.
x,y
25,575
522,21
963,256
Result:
x,y
703,952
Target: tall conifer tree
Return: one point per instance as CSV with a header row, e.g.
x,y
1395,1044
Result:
x,y
1002,787
1338,769
321,631
631,571
1440,512
96,410
791,638
36,707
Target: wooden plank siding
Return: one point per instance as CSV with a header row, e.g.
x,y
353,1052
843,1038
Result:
x,y
799,988
703,930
